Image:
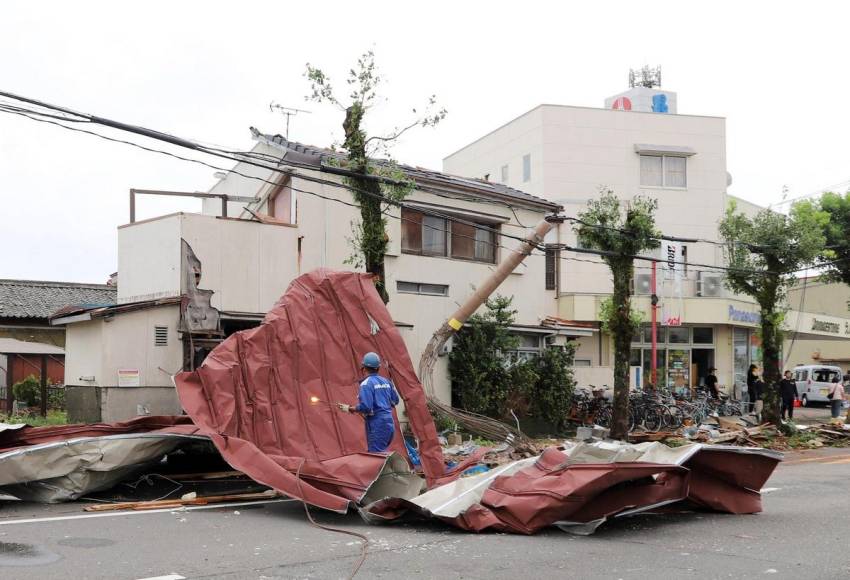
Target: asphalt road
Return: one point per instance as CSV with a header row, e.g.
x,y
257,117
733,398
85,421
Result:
x,y
800,534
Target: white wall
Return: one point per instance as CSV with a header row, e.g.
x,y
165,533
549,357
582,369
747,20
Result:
x,y
582,149
84,348
101,346
149,259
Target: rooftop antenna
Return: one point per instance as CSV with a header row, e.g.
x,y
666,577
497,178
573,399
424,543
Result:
x,y
288,111
645,77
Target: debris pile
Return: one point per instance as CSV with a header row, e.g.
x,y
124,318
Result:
x,y
264,397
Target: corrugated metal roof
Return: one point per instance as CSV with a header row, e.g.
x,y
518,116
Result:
x,y
299,153
40,299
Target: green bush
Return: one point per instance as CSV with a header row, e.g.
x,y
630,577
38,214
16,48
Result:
x,y
483,379
28,390
553,391
489,381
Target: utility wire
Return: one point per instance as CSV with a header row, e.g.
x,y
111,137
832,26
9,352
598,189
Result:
x,y
180,142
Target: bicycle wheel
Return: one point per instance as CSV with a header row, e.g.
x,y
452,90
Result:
x,y
603,416
652,418
676,417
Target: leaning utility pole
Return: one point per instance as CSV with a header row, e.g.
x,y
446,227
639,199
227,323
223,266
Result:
x,y
471,421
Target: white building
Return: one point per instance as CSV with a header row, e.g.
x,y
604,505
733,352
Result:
x,y
185,280
566,154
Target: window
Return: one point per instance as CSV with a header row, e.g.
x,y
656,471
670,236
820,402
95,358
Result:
x,y
505,174
473,243
527,349
433,235
703,335
526,167
663,171
581,362
160,336
552,257
685,259
422,288
436,236
678,335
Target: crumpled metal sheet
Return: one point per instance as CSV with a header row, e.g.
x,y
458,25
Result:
x,y
252,395
582,487
69,470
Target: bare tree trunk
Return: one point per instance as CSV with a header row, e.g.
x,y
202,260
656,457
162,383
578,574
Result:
x,y
770,337
621,327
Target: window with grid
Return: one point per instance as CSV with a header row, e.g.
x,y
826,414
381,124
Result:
x,y
436,236
552,257
663,171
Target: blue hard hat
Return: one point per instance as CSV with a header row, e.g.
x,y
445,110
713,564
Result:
x,y
371,360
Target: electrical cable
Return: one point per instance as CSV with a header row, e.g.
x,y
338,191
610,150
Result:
x,y
364,545
193,146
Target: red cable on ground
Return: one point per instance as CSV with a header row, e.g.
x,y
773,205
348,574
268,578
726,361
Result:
x,y
364,545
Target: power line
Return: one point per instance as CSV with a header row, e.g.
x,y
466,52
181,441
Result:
x,y
184,143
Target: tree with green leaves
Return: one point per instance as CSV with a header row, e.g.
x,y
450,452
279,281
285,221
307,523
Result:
x,y
484,379
837,234
621,231
764,253
375,185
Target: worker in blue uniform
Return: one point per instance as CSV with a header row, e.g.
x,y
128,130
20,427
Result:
x,y
376,400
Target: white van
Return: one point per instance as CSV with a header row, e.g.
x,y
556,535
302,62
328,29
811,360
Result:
x,y
814,382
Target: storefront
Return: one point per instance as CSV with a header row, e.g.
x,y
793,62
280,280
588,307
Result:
x,y
684,354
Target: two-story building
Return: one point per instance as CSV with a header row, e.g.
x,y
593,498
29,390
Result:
x,y
189,280
638,145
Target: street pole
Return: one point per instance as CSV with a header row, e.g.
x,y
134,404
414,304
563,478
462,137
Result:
x,y
653,373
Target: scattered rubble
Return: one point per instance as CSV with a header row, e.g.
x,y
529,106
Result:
x,y
261,398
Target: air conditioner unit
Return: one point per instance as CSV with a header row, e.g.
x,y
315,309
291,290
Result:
x,y
709,284
643,284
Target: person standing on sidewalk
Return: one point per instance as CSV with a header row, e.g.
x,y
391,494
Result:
x,y
836,397
752,379
787,394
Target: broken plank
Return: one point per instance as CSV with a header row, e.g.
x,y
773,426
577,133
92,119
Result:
x,y
166,503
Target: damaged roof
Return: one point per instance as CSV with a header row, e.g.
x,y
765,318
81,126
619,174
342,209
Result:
x,y
40,299
299,153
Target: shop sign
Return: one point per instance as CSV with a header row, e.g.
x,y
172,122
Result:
x,y
824,326
129,378
744,316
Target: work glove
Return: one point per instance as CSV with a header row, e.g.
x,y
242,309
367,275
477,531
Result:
x,y
344,408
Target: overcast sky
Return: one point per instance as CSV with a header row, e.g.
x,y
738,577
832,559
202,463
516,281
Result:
x,y
208,70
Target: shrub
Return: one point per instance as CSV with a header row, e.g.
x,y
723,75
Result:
x,y
483,379
28,390
553,391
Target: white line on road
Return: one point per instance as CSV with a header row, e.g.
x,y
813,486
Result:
x,y
167,577
765,490
142,512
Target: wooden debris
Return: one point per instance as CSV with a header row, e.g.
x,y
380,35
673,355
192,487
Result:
x,y
206,475
176,503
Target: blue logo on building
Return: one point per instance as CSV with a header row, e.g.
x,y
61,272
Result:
x,y
659,103
744,316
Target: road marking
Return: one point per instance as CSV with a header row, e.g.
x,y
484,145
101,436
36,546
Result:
x,y
142,512
166,577
765,490
822,459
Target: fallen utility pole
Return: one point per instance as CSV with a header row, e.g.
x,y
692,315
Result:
x,y
473,422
